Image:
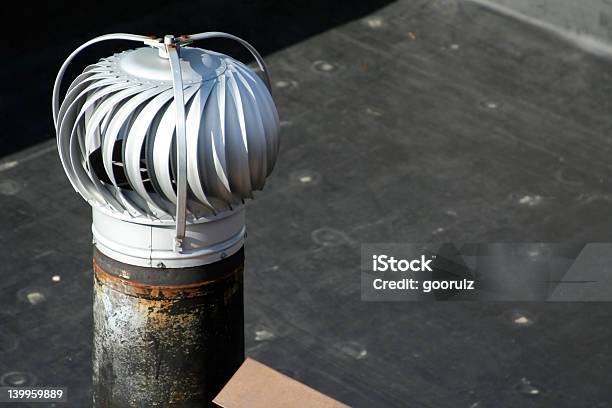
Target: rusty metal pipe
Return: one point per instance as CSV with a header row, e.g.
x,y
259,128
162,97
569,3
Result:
x,y
165,337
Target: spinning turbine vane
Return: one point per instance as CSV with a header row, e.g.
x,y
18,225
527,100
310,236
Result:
x,y
165,142
166,135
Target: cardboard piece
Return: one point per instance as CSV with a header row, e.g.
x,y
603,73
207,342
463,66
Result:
x,y
256,385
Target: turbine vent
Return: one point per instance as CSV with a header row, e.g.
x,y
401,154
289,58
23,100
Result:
x,y
117,131
167,133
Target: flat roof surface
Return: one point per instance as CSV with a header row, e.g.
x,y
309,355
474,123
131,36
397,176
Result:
x,y
422,121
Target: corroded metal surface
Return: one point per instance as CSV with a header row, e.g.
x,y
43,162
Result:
x,y
169,338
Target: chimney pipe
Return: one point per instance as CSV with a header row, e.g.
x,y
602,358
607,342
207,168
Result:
x,y
165,142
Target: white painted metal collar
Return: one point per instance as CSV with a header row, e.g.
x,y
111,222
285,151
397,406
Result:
x,y
152,245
